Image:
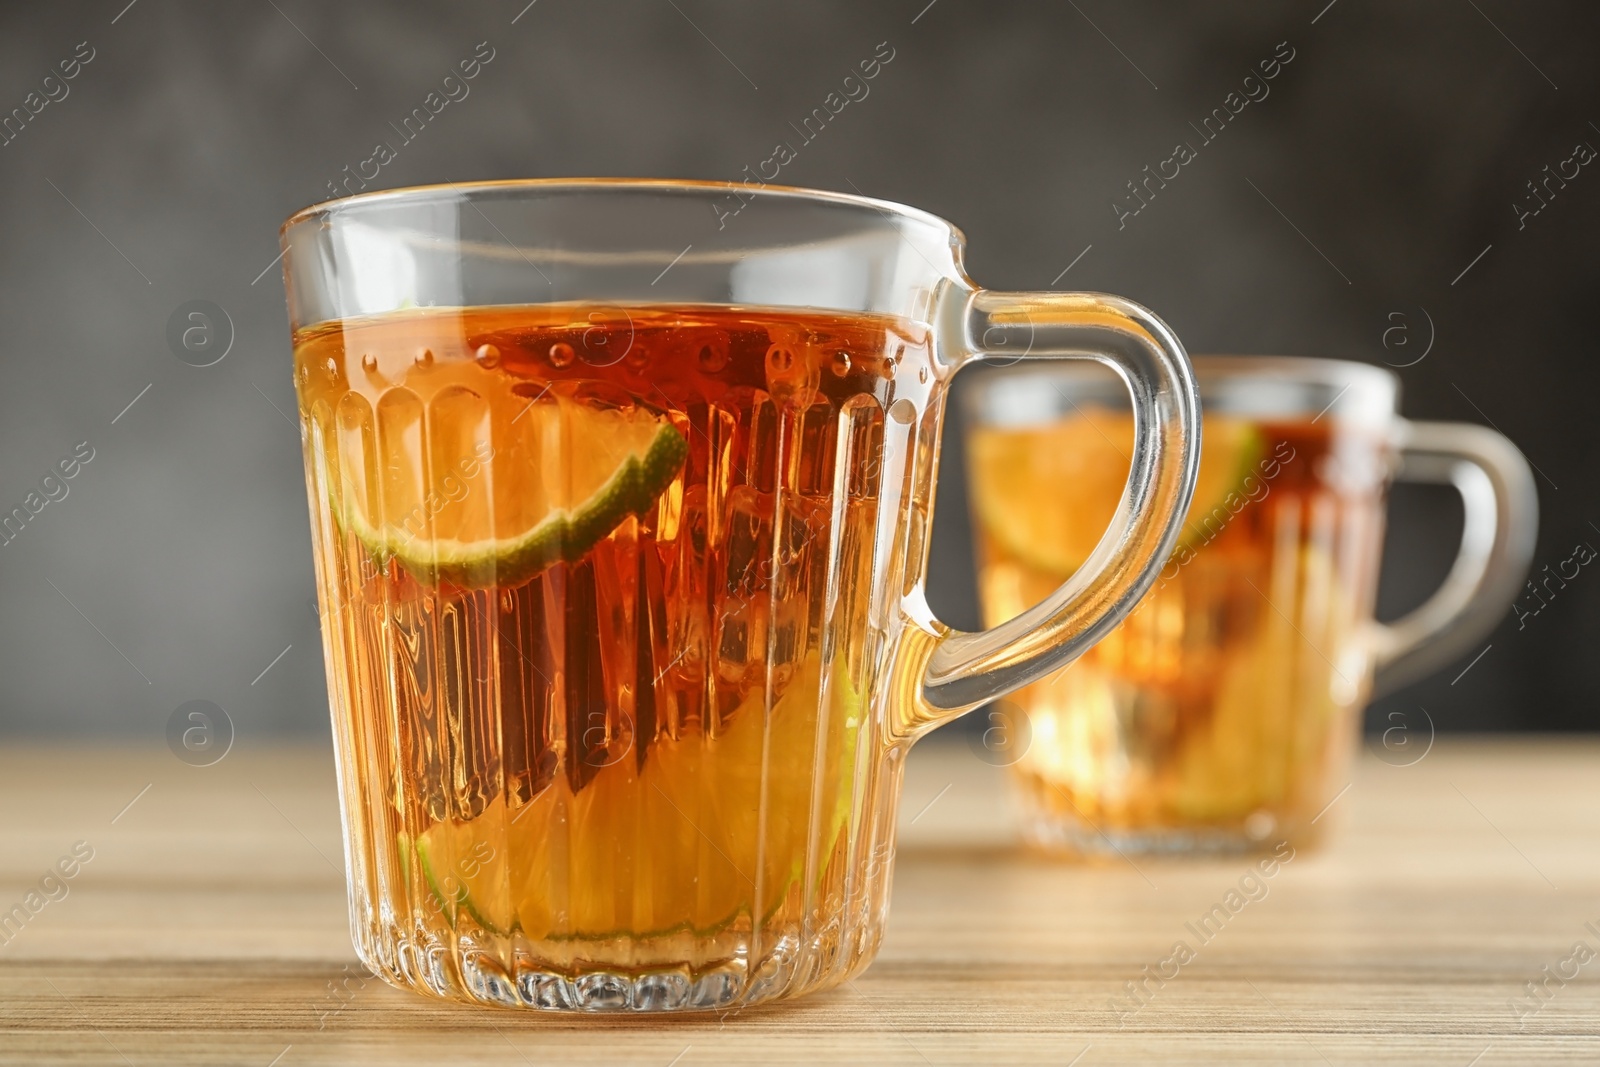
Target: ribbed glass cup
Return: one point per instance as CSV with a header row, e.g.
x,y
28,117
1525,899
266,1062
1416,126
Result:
x,y
620,501
1222,713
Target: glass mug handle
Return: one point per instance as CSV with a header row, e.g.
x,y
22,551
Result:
x,y
1501,509
967,669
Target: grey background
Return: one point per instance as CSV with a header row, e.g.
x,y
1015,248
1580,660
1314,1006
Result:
x,y
179,564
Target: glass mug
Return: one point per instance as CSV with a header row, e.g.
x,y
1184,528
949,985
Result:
x,y
1222,713
620,508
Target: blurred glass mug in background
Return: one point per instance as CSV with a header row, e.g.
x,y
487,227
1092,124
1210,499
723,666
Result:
x,y
620,508
1222,713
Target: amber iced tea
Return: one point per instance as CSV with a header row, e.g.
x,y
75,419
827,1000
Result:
x,y
596,586
621,530
1217,713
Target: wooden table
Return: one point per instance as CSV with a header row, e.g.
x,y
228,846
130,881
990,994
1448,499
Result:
x,y
209,927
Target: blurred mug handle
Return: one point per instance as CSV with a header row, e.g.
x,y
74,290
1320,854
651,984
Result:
x,y
1501,524
964,670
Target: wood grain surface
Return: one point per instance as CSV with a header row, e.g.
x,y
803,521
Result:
x,y
209,927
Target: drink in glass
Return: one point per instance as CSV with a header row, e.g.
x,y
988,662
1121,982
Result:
x,y
620,548
581,613
1222,712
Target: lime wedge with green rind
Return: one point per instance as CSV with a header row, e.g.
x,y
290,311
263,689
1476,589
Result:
x,y
562,535
1230,452
452,904
699,796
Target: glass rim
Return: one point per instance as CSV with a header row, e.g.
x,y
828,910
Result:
x,y
1266,385
1227,366
1321,369
445,191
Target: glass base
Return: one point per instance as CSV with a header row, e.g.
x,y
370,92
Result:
x,y
1261,832
474,976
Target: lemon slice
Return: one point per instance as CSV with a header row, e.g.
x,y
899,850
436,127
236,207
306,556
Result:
x,y
1047,493
559,479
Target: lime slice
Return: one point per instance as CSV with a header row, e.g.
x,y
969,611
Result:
x,y
1249,755
559,480
678,845
1045,494
455,899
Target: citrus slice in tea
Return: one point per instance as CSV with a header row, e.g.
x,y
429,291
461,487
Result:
x,y
679,844
1046,494
1240,755
564,474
